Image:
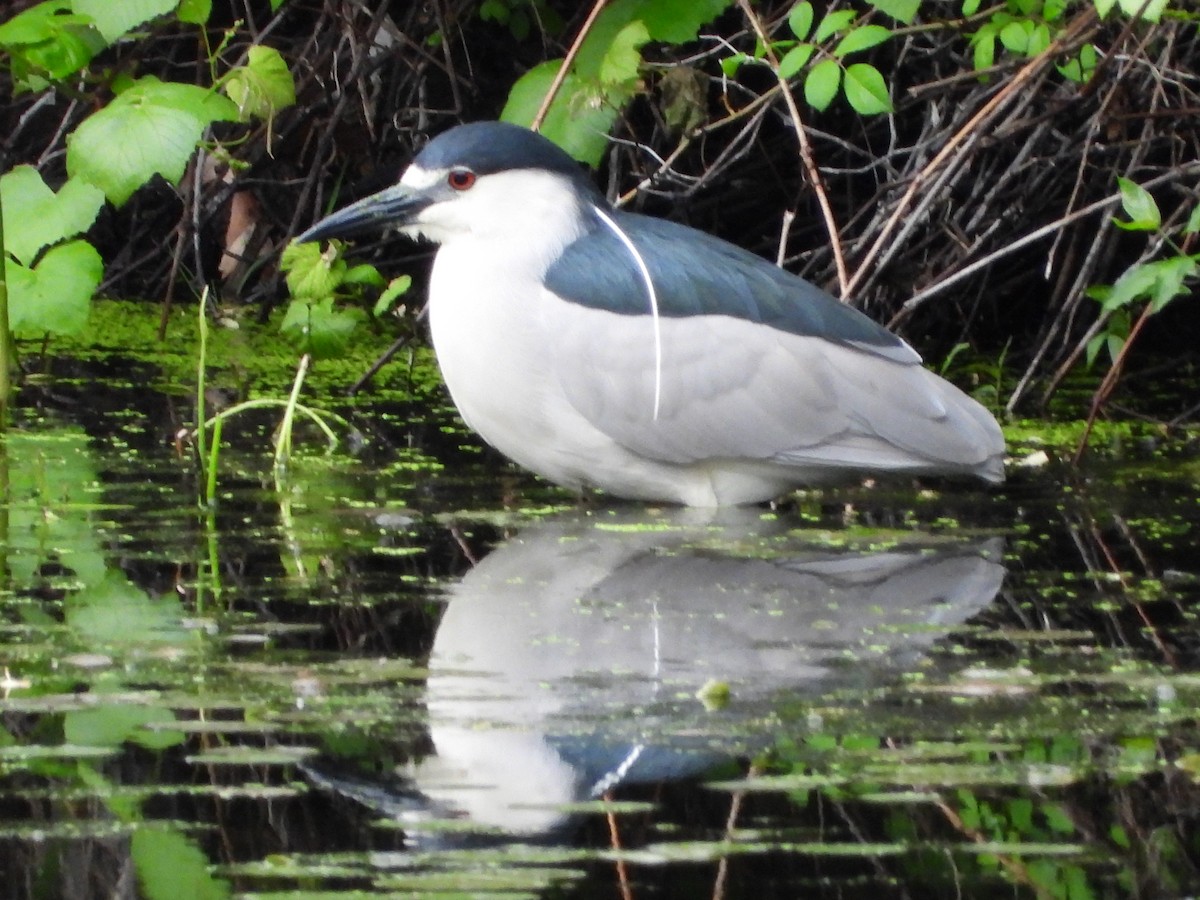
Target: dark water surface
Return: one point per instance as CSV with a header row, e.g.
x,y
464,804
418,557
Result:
x,y
406,669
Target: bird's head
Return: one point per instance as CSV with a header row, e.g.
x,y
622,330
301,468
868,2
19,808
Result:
x,y
486,179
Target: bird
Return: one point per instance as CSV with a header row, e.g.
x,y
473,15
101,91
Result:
x,y
606,349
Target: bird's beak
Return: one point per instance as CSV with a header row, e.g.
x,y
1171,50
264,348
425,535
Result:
x,y
393,207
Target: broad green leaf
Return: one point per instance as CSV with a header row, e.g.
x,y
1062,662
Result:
x,y
731,64
901,10
862,38
1139,205
396,289
672,21
1015,36
970,7
1101,341
365,274
55,296
312,273
1136,282
1053,10
115,19
35,216
1081,68
795,60
170,866
1152,13
318,328
984,43
151,128
833,23
866,90
261,87
1193,222
1039,39
48,40
821,85
800,19
669,21
578,121
623,58
1170,275
1104,7
194,12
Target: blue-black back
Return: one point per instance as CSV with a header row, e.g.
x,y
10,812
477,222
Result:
x,y
697,274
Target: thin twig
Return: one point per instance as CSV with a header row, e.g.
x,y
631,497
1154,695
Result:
x,y
806,153
561,75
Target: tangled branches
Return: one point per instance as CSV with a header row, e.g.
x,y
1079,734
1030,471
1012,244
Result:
x,y
978,210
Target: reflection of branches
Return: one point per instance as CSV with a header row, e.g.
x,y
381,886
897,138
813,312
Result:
x,y
1099,556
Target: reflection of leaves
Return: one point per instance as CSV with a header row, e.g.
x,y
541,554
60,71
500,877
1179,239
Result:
x,y
111,726
115,611
51,488
169,866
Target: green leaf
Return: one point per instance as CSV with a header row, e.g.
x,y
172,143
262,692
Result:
x,y
1170,275
36,217
151,128
901,10
1039,39
1053,10
115,20
312,273
1193,222
821,85
396,289
1136,282
1015,36
1152,13
671,21
194,12
365,274
1139,205
800,19
984,43
48,40
731,64
833,23
318,328
866,90
261,87
795,60
623,58
1104,7
862,38
55,296
970,7
579,119
1081,68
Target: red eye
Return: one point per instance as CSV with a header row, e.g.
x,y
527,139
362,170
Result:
x,y
460,179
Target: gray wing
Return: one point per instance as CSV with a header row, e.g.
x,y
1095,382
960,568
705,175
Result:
x,y
819,385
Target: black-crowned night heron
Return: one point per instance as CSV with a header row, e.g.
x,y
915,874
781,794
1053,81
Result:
x,y
605,349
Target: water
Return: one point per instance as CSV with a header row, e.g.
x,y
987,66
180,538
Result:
x,y
414,671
